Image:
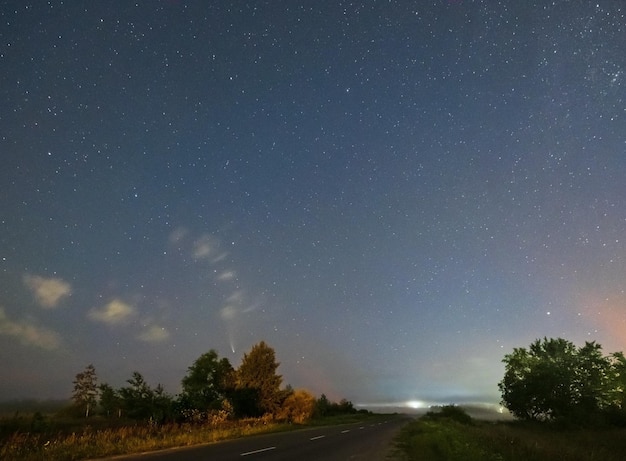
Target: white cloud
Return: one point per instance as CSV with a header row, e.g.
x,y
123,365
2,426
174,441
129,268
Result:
x,y
114,313
251,308
228,312
219,257
154,334
205,247
235,298
227,275
47,291
28,333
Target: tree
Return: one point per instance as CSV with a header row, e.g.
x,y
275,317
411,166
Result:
x,y
298,407
245,402
86,389
618,377
554,380
616,395
206,385
162,405
594,384
346,407
322,406
256,378
137,399
110,400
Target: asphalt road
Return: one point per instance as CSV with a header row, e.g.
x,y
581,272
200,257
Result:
x,y
369,441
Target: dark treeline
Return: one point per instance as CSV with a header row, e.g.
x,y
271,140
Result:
x,y
212,392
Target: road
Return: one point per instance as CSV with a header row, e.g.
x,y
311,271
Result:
x,y
368,441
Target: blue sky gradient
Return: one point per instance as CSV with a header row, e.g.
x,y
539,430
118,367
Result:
x,y
391,194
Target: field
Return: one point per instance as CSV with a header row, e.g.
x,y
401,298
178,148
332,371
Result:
x,y
435,439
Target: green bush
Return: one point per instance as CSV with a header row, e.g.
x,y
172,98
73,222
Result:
x,y
451,412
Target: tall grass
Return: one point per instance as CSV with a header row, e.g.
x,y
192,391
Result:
x,y
444,439
91,443
67,439
517,441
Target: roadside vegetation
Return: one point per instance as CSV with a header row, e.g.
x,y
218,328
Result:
x,y
451,435
217,402
55,437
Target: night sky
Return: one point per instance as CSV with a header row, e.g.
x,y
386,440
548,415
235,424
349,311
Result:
x,y
392,194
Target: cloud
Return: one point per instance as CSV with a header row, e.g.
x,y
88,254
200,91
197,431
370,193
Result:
x,y
235,305
235,298
118,312
219,257
29,334
204,246
207,247
114,313
47,291
227,275
228,312
154,334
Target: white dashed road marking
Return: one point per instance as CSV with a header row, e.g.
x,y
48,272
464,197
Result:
x,y
257,451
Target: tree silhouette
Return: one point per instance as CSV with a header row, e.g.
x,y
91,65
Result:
x,y
110,400
207,382
555,380
257,375
86,389
137,398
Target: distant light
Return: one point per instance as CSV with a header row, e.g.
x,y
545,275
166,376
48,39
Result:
x,y
415,404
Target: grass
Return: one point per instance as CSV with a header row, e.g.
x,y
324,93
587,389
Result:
x,y
90,442
441,438
516,441
45,438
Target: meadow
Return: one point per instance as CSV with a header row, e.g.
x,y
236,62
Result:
x,y
458,438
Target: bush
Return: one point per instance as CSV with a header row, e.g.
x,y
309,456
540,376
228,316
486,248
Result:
x,y
451,412
297,408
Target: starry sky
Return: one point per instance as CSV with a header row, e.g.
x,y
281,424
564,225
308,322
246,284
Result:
x,y
392,194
